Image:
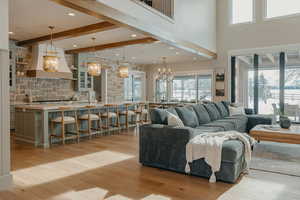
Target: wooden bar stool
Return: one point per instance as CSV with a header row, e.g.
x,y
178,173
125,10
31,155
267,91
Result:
x,y
65,120
127,113
90,118
142,113
111,114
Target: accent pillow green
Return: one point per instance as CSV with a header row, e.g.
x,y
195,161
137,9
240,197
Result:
x,y
202,114
188,116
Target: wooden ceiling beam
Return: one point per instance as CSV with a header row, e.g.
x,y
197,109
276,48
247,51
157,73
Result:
x,y
84,30
147,40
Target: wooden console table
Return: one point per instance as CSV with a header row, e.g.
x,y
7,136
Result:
x,y
276,134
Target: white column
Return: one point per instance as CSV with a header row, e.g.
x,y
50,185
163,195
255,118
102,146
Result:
x,y
5,176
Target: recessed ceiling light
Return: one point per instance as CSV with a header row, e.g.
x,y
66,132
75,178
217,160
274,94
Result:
x,y
177,53
133,58
71,14
133,35
10,33
117,54
171,48
194,58
74,45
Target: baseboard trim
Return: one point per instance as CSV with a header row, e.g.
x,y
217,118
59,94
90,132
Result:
x,y
6,182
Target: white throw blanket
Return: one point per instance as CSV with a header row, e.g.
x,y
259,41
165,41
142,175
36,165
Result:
x,y
209,147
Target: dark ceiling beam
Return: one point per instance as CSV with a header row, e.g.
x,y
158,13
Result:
x,y
84,30
147,40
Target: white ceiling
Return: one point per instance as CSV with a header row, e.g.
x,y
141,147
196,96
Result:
x,y
31,18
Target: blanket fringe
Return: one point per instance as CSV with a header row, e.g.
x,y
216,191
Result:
x,y
187,168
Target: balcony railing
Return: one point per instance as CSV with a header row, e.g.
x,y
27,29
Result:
x,y
166,7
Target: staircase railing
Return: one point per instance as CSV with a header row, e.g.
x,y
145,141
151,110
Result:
x,y
166,7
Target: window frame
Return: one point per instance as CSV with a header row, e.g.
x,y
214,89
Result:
x,y
188,73
230,11
140,74
265,13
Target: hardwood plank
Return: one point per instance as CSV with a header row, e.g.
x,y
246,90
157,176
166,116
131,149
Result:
x,y
112,45
84,30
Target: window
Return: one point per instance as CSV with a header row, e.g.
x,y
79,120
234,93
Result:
x,y
204,87
161,90
242,11
186,88
133,87
277,8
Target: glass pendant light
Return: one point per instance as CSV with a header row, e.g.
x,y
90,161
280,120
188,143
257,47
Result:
x,y
123,67
94,68
51,59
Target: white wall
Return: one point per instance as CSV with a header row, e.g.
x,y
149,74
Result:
x,y
194,21
261,33
5,177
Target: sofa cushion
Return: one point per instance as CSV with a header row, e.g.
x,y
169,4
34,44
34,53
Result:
x,y
232,150
222,109
213,112
240,123
207,129
226,126
188,116
202,114
160,116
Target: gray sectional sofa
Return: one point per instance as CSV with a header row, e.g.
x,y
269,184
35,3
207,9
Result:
x,y
164,146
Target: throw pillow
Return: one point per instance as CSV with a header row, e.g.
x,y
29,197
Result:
x,y
213,112
188,116
174,120
236,110
203,116
222,109
160,116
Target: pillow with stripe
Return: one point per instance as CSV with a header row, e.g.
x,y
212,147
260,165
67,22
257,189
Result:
x,y
174,120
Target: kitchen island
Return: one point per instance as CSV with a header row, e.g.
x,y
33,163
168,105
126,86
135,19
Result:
x,y
32,120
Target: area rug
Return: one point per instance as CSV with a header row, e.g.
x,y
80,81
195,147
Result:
x,y
276,157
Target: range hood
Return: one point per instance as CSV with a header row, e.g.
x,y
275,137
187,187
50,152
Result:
x,y
36,65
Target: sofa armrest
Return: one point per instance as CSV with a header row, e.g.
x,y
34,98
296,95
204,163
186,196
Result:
x,y
166,133
254,120
164,146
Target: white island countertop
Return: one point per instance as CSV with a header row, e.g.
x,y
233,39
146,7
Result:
x,y
72,105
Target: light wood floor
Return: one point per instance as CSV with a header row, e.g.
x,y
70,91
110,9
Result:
x,y
107,167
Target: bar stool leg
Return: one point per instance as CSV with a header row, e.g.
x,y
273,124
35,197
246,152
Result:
x,y
52,133
63,132
77,128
